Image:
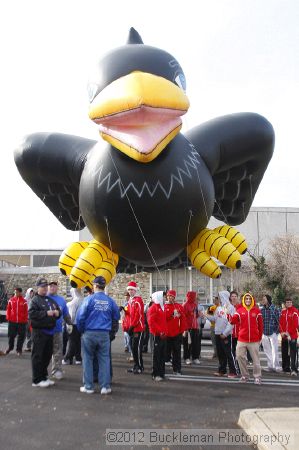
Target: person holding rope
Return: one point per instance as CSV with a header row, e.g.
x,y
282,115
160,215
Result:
x,y
136,327
43,314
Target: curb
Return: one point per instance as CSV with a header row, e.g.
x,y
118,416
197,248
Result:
x,y
268,424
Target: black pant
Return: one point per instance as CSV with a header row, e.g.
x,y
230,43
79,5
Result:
x,y
146,334
42,349
193,348
225,354
168,350
137,343
65,338
173,350
199,341
16,329
289,355
74,346
159,357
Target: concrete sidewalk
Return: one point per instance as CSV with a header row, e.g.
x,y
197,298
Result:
x,y
272,428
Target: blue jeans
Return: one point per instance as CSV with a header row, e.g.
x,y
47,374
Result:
x,y
96,344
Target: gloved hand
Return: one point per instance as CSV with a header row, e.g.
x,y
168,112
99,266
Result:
x,y
69,329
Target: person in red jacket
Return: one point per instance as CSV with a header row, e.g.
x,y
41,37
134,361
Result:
x,y
136,326
192,333
176,325
288,327
156,318
17,317
250,321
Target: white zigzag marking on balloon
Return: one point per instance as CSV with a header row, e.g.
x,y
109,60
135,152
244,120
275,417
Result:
x,y
191,162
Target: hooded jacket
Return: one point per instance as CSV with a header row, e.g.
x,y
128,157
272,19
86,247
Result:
x,y
156,316
27,296
17,310
250,321
175,319
221,315
191,312
75,303
136,314
289,321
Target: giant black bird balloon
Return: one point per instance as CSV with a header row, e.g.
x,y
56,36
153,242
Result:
x,y
146,191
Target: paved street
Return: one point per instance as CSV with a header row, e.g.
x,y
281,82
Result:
x,y
62,418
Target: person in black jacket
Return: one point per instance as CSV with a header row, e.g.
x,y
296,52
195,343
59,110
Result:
x,y
43,313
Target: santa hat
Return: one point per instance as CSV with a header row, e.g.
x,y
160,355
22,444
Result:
x,y
132,285
172,292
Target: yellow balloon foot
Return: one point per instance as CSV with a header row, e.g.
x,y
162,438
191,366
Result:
x,y
223,243
84,261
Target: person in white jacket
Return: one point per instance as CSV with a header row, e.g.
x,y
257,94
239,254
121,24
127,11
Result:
x,y
223,336
74,342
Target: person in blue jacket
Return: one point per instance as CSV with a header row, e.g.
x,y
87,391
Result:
x,y
94,320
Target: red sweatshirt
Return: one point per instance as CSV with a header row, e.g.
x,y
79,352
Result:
x,y
136,313
250,321
191,312
175,325
156,319
17,310
289,321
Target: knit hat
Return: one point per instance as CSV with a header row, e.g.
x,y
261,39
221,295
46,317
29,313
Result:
x,y
172,292
132,285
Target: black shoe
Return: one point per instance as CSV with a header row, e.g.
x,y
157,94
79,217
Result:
x,y
137,371
7,351
130,370
27,350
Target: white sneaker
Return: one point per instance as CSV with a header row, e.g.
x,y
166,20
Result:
x,y
105,391
187,361
293,373
86,391
158,378
78,363
42,384
65,363
51,382
196,361
58,375
168,363
257,381
278,369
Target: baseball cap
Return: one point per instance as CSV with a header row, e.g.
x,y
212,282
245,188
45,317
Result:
x,y
42,282
100,281
53,282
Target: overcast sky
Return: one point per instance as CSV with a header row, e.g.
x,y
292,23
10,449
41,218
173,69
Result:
x,y
237,55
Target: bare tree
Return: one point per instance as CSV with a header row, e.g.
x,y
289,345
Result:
x,y
279,273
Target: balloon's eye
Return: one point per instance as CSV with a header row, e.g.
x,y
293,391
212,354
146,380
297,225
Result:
x,y
181,81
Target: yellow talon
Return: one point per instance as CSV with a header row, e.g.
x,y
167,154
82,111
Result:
x,y
224,244
84,264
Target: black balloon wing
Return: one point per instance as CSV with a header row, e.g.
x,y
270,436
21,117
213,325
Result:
x,y
52,164
237,150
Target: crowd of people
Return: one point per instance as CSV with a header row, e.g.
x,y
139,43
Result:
x,y
59,332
